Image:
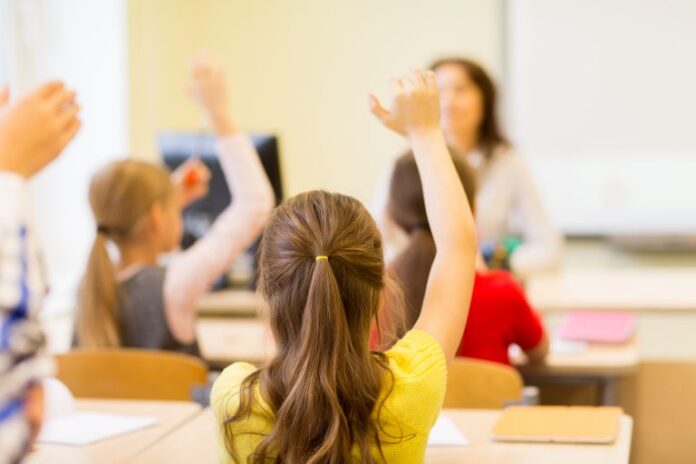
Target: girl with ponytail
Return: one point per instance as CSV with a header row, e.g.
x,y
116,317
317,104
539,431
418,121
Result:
x,y
325,397
509,201
499,314
136,302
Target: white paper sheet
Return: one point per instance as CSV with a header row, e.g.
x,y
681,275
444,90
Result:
x,y
561,346
83,428
558,346
446,433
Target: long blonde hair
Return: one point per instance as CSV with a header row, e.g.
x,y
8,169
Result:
x,y
120,194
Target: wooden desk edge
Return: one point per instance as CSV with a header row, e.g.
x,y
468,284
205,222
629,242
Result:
x,y
543,370
638,309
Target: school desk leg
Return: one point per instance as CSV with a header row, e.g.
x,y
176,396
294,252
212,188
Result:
x,y
609,391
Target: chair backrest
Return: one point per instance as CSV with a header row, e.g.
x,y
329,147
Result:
x,y
477,384
130,374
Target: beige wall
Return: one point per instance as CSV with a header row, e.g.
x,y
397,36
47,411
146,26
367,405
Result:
x,y
302,70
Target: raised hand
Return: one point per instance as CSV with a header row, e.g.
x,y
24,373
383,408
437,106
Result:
x,y
414,104
192,179
209,89
34,131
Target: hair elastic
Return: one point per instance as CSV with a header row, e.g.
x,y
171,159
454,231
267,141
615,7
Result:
x,y
320,257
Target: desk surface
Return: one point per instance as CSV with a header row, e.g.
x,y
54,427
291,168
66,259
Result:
x,y
594,275
230,303
618,289
224,341
628,289
195,442
598,361
171,414
477,425
227,340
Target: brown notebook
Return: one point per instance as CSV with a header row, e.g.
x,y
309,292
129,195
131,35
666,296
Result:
x,y
558,424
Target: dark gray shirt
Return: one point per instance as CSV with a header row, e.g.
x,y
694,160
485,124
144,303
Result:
x,y
142,319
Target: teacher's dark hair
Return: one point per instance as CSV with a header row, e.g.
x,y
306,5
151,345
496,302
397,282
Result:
x,y
490,136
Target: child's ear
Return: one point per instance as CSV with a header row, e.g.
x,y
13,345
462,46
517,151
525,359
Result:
x,y
155,218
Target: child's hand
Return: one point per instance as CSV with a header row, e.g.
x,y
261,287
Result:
x,y
415,106
209,90
192,179
35,409
35,130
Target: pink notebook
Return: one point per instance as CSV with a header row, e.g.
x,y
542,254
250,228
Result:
x,y
598,327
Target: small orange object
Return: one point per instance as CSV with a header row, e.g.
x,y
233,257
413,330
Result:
x,y
191,177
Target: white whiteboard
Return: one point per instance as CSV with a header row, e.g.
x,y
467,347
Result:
x,y
601,98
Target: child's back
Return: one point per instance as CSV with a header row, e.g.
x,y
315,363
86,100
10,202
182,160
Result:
x,y
407,408
142,315
137,206
499,316
325,385
325,397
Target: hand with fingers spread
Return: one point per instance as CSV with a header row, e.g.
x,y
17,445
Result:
x,y
209,90
34,131
192,179
414,107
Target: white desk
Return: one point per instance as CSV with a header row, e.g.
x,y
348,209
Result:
x,y
598,360
631,289
627,289
195,442
603,365
123,448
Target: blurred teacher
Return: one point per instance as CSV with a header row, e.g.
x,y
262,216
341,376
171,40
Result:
x,y
510,213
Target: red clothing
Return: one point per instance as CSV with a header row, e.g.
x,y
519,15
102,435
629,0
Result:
x,y
499,316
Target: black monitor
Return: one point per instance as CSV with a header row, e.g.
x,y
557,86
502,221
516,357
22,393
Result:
x,y
177,147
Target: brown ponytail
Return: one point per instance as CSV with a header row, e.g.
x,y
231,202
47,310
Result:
x,y
120,195
407,207
98,327
323,385
412,268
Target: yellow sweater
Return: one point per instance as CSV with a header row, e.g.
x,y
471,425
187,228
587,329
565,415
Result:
x,y
420,375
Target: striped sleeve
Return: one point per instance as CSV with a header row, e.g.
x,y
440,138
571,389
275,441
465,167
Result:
x,y
22,363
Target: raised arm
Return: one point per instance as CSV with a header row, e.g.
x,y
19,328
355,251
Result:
x,y
32,133
415,113
191,273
